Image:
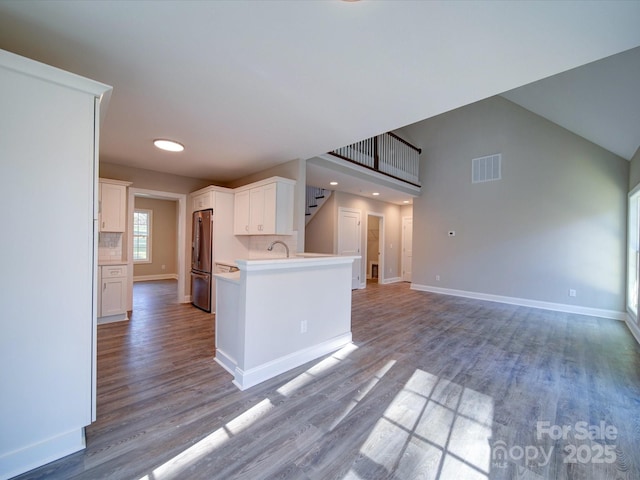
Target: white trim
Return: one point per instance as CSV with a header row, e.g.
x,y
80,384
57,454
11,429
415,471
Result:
x,y
256,375
381,245
403,238
633,327
181,198
149,235
341,211
225,361
25,459
159,276
118,317
392,280
558,307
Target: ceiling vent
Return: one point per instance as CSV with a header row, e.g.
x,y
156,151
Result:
x,y
486,169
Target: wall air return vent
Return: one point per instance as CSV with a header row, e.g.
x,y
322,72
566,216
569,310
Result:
x,y
486,169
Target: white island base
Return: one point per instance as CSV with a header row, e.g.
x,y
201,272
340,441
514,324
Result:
x,y
277,314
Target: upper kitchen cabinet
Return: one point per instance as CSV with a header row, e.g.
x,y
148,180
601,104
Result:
x,y
49,131
202,199
265,207
112,213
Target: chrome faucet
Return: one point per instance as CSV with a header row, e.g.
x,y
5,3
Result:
x,y
270,247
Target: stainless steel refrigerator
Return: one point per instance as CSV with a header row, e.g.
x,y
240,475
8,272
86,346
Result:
x,y
201,259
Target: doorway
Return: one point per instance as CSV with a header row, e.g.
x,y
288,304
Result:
x,y
375,248
176,243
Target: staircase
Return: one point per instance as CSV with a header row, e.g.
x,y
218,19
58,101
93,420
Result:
x,y
316,197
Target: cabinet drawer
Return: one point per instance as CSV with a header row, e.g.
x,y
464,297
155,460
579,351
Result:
x,y
114,271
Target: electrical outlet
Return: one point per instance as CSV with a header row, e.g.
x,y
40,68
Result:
x,y
163,267
303,326
437,278
572,292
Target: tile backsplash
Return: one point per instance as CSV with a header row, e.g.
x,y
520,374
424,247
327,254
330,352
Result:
x,y
258,245
109,246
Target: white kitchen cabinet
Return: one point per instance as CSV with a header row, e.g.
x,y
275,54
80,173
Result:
x,y
49,131
112,295
202,201
112,214
241,213
265,208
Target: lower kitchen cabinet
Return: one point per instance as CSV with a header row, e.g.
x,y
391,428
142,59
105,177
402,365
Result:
x,y
112,295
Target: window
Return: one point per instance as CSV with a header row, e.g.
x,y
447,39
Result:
x,y
142,235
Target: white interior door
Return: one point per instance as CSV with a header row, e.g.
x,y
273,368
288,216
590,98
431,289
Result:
x,y
349,240
407,247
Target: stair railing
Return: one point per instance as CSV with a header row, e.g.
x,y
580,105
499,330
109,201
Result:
x,y
386,153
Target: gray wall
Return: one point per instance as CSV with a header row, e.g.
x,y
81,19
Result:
x,y
556,221
322,234
152,180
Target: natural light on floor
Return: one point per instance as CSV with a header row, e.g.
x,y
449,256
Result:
x,y
432,428
216,439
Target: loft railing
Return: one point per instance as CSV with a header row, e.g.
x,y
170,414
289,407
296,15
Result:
x,y
386,153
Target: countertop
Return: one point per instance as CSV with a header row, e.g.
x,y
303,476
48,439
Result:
x,y
111,262
300,260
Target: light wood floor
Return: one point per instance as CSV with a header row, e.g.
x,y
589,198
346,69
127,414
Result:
x,y
435,387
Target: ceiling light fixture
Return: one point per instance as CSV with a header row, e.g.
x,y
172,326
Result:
x,y
405,201
168,145
333,183
375,194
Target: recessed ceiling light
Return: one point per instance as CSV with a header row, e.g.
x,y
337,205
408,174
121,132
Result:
x,y
168,145
333,183
405,201
375,194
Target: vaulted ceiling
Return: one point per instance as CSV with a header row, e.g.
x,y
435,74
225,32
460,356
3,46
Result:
x,y
245,85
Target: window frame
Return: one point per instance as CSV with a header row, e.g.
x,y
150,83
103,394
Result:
x,y
149,235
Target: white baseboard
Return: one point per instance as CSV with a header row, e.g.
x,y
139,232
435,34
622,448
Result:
x,y
256,375
391,280
633,327
225,361
160,276
33,456
120,317
524,302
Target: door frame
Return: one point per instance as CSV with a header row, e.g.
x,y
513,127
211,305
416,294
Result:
x,y
181,199
339,238
402,255
381,244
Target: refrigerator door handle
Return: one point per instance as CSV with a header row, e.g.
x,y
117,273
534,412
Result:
x,y
198,233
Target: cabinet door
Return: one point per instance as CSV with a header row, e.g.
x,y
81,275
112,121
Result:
x,y
113,210
203,201
269,209
113,293
241,213
256,211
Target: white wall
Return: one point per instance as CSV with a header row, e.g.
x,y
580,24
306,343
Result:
x,y
47,324
556,221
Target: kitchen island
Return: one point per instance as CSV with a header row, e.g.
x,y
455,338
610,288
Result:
x,y
275,314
